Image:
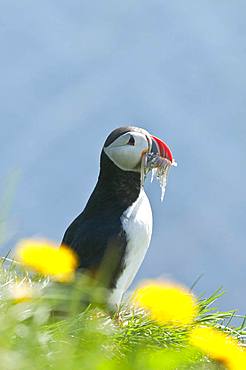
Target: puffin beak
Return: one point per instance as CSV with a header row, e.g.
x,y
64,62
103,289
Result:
x,y
160,147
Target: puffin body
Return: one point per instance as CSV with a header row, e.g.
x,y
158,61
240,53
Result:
x,y
113,232
136,223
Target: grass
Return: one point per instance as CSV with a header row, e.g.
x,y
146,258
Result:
x,y
54,330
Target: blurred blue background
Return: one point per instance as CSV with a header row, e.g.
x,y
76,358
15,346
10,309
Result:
x,y
72,71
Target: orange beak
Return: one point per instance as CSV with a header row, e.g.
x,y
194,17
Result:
x,y
160,147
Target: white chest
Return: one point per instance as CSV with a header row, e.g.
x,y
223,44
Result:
x,y
137,224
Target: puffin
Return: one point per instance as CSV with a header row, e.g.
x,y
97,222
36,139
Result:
x,y
112,234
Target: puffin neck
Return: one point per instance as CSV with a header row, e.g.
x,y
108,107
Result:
x,y
115,191
121,186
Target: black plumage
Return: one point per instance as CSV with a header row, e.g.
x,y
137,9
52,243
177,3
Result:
x,y
96,235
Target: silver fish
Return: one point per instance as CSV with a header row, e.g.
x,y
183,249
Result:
x,y
159,167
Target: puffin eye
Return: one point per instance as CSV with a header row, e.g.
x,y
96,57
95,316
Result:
x,y
131,141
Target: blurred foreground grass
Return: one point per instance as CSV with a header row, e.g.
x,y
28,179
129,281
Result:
x,y
45,325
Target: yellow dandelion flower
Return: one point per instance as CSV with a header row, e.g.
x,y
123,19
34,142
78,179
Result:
x,y
167,303
44,257
219,346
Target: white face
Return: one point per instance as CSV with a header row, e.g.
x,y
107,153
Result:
x,y
127,150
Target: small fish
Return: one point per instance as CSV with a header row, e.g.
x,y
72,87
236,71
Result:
x,y
159,168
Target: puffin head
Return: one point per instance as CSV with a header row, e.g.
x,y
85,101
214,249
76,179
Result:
x,y
126,146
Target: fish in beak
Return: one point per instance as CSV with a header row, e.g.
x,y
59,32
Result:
x,y
158,160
